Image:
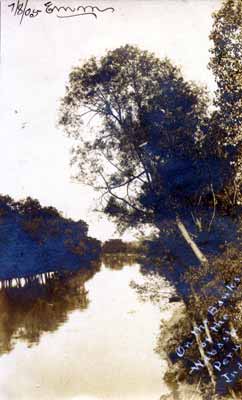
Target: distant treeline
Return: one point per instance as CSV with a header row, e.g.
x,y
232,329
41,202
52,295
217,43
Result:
x,y
118,246
36,239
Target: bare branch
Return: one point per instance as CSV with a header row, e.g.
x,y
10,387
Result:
x,y
107,104
120,170
128,181
118,197
214,208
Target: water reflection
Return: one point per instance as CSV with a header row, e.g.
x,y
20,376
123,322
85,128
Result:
x,y
90,345
118,261
37,304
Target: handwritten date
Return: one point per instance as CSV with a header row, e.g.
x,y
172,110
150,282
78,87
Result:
x,y
21,8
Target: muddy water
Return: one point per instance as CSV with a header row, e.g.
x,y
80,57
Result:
x,y
92,341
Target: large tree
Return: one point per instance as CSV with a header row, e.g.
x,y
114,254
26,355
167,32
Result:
x,y
144,149
226,64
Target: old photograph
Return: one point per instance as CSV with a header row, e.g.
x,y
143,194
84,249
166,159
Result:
x,y
121,200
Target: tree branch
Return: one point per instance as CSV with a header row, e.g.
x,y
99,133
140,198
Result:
x,y
120,170
107,104
118,197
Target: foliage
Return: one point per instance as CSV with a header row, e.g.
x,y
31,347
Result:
x,y
208,285
145,152
38,239
119,246
114,246
226,64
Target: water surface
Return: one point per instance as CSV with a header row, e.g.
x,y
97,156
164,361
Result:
x,y
92,339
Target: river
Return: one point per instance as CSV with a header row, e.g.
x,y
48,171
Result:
x,y
91,339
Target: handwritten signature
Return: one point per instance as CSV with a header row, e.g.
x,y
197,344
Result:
x,y
22,9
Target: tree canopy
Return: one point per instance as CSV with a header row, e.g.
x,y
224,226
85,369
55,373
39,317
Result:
x,y
145,150
226,64
36,239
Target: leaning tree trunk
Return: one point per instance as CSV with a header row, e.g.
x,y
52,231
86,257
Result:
x,y
204,358
201,257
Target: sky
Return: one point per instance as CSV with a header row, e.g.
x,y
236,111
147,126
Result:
x,y
36,57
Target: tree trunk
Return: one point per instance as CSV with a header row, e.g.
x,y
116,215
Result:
x,y
201,257
204,358
207,330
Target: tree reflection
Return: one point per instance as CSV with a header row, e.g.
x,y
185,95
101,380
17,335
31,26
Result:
x,y
41,305
119,261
